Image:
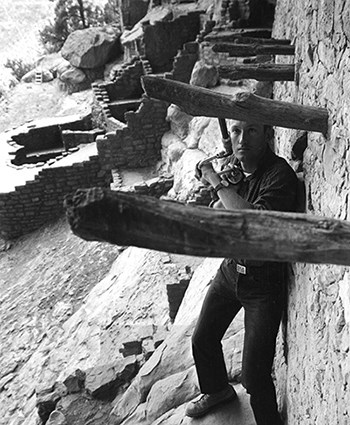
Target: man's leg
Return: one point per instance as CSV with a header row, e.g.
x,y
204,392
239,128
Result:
x,y
219,308
262,318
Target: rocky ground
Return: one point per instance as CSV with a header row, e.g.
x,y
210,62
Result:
x,y
47,279
28,101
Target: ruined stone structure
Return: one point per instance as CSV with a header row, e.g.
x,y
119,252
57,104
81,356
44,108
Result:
x,y
137,142
40,201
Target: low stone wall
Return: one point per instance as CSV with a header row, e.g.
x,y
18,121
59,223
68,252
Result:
x,y
155,187
38,137
119,108
138,143
41,200
72,139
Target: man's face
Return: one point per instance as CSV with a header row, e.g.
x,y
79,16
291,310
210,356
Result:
x,y
249,141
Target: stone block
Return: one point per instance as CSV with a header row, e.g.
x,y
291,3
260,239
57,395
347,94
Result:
x,y
131,348
103,382
75,383
175,294
56,418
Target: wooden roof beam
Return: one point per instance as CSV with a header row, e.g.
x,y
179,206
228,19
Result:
x,y
243,106
244,50
244,32
131,219
259,71
240,39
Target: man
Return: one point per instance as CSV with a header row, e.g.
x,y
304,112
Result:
x,y
267,183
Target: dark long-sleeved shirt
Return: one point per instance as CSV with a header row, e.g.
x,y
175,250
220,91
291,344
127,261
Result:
x,y
273,186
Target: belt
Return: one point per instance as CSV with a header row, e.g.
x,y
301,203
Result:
x,y
241,269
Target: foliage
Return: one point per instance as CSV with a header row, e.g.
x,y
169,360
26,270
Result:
x,y
111,14
71,15
18,67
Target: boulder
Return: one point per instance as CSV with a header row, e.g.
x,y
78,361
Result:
x,y
75,382
204,75
72,75
211,139
175,151
57,418
179,121
103,381
82,409
91,47
30,76
52,62
62,67
184,179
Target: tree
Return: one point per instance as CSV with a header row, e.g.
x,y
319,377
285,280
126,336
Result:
x,y
71,15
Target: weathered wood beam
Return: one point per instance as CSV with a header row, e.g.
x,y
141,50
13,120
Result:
x,y
243,106
241,39
259,71
243,50
128,219
244,32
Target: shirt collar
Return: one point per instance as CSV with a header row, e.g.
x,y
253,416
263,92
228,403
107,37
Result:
x,y
265,161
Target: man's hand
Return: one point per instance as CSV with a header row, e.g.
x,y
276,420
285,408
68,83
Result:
x,y
207,171
203,171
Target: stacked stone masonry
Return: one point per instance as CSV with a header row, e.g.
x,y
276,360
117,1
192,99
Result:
x,y
162,40
49,136
184,62
102,115
40,201
156,187
138,143
126,83
72,139
314,373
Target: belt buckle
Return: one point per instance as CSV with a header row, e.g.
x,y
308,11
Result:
x,y
241,269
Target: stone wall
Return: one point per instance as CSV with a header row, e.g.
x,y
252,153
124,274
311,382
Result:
x,y
138,143
131,11
184,62
40,201
163,39
126,83
156,187
71,139
315,370
39,137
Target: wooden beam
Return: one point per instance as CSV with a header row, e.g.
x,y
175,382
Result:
x,y
128,219
244,32
243,50
243,106
259,71
230,37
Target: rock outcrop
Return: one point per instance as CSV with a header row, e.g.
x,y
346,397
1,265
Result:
x,y
164,384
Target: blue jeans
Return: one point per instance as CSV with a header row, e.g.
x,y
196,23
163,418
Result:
x,y
261,293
